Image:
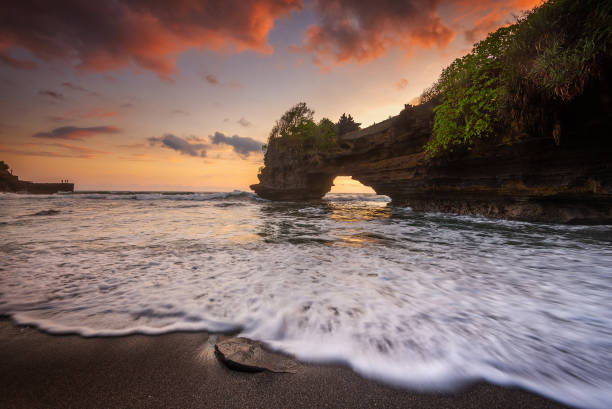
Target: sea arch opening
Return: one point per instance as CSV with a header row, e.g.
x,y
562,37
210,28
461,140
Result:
x,y
346,184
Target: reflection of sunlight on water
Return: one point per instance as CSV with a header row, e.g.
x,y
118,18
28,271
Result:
x,y
353,213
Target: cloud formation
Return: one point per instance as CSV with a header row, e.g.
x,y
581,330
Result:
x,y
52,94
110,34
243,146
361,31
195,146
180,145
211,79
76,87
401,84
76,133
242,121
150,34
16,63
65,150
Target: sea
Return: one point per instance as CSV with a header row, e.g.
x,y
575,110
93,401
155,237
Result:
x,y
425,301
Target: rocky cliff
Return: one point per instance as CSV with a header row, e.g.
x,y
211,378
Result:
x,y
11,183
513,176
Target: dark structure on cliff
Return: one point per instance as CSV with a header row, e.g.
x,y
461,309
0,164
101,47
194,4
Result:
x,y
11,183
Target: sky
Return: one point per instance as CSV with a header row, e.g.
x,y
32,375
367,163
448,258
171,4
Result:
x,y
159,95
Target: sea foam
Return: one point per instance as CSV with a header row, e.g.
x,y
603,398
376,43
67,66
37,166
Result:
x,y
424,301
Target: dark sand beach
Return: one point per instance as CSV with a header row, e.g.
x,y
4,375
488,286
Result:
x,y
180,370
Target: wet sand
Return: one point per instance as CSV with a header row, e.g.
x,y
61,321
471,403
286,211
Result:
x,y
180,370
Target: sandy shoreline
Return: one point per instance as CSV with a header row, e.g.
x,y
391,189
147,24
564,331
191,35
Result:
x,y
180,370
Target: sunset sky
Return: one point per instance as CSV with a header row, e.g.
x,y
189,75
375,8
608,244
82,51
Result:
x,y
160,95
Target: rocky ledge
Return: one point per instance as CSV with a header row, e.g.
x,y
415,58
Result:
x,y
11,183
512,176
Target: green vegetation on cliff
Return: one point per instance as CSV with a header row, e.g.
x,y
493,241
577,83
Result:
x,y
522,76
297,130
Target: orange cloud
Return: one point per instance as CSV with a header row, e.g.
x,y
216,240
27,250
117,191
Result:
x,y
362,31
401,84
490,15
104,35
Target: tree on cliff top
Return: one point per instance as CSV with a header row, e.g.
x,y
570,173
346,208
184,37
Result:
x,y
294,122
346,124
297,130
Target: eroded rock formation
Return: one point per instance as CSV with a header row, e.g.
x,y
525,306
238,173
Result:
x,y
513,176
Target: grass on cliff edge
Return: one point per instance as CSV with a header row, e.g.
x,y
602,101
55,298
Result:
x,y
521,76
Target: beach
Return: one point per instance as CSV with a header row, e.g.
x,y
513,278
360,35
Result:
x,y
39,370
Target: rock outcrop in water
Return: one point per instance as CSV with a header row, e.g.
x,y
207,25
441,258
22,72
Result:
x,y
11,183
512,176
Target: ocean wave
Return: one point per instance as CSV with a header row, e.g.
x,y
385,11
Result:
x,y
124,195
414,299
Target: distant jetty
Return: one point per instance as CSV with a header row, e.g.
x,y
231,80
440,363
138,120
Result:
x,y
11,183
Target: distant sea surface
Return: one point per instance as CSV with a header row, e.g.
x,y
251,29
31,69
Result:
x,y
420,300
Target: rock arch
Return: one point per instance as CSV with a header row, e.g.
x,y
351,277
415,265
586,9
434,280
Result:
x,y
519,177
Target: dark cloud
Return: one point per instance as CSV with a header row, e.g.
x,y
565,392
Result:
x,y
76,133
214,80
16,63
52,94
244,122
195,146
243,146
110,34
127,105
211,79
180,145
364,30
179,112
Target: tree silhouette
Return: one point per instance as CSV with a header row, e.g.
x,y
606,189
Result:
x,y
346,124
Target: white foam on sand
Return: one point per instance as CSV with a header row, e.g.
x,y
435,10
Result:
x,y
416,300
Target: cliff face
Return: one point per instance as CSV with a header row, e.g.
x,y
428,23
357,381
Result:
x,y
11,183
521,177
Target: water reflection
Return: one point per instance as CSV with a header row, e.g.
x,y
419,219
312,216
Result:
x,y
324,222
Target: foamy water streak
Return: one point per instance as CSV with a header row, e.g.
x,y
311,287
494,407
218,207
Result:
x,y
419,300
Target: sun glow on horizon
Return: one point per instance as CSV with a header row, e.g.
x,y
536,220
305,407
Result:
x,y
346,184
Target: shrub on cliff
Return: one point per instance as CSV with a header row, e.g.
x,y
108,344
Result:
x,y
469,90
558,51
522,76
